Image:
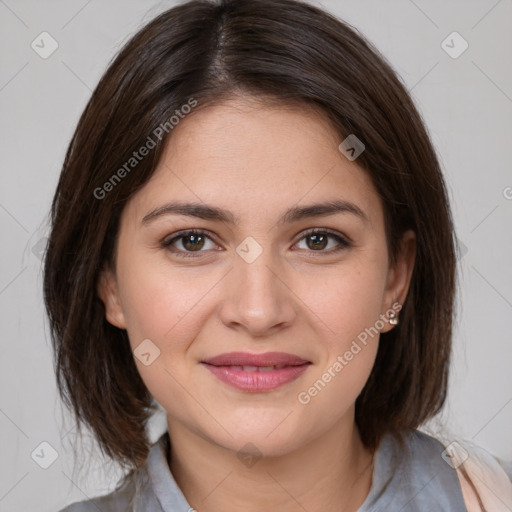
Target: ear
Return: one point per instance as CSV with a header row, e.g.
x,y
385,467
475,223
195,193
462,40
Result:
x,y
108,293
399,276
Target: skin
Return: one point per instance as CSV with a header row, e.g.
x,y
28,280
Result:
x,y
257,161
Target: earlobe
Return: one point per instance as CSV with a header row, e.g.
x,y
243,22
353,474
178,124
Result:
x,y
108,293
399,277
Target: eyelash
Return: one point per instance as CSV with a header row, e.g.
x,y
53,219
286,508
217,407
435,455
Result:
x,y
166,244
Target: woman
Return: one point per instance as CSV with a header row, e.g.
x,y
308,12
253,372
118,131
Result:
x,y
251,229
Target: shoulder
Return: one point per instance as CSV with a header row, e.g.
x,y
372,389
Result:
x,y
411,474
150,488
134,492
121,499
485,479
433,474
418,454
426,461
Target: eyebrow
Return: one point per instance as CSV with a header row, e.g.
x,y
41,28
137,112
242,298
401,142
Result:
x,y
294,214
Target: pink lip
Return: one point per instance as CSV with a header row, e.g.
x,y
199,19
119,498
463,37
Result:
x,y
227,368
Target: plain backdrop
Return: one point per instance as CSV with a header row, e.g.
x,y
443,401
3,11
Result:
x,y
466,103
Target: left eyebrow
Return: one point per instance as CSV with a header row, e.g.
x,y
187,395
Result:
x,y
321,210
294,214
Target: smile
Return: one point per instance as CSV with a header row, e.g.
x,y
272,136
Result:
x,y
261,372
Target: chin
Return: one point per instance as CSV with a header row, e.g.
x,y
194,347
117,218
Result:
x,y
265,441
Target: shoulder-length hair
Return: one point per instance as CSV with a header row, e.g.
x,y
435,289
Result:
x,y
205,51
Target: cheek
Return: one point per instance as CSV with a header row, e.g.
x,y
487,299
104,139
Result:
x,y
168,306
165,307
334,389
348,301
161,302
349,305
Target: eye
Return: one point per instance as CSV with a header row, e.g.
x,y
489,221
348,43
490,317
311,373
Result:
x,y
318,239
191,241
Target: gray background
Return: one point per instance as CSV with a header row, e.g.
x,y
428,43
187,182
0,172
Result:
x,y
466,103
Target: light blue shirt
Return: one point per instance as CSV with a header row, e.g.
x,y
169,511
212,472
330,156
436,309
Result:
x,y
414,478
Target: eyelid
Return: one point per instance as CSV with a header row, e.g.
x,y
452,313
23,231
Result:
x,y
168,241
335,234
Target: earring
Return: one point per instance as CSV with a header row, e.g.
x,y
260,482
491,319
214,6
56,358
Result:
x,y
393,320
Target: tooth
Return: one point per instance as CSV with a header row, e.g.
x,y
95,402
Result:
x,y
250,368
239,368
266,368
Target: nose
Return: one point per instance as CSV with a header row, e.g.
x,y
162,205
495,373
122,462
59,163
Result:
x,y
257,297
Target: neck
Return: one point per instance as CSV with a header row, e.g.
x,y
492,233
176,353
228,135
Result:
x,y
333,472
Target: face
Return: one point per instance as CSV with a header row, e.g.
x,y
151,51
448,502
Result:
x,y
254,278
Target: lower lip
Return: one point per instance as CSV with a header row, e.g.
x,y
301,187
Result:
x,y
257,381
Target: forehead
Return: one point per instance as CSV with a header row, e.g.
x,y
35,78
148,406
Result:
x,y
253,159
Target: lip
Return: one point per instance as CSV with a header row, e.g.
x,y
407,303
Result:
x,y
249,359
257,376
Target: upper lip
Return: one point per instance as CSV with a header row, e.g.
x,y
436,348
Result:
x,y
248,359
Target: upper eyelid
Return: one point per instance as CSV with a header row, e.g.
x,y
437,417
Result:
x,y
185,232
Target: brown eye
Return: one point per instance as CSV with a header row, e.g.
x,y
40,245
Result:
x,y
191,241
318,240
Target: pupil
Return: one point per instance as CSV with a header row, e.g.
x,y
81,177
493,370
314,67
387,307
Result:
x,y
195,239
318,238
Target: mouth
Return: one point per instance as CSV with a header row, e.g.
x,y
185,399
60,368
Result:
x,y
256,372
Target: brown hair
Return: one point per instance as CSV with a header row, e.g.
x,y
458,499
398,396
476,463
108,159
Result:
x,y
281,50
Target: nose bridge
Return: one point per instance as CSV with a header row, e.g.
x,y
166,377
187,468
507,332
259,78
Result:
x,y
255,269
258,276
258,299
